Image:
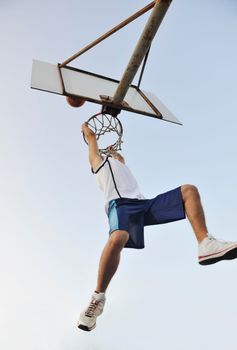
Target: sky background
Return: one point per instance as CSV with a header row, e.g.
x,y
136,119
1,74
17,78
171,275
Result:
x,y
52,220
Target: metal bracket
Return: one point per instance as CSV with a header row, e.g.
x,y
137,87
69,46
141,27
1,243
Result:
x,y
111,108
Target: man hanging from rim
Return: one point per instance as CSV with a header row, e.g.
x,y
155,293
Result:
x,y
129,212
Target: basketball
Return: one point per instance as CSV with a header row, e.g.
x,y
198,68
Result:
x,y
75,101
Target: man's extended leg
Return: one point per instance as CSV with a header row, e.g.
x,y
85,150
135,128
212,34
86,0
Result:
x,y
110,258
211,250
109,262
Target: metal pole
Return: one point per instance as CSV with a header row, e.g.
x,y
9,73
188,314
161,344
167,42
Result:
x,y
141,49
110,32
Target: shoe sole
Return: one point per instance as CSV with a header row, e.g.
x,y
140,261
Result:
x,y
86,328
230,255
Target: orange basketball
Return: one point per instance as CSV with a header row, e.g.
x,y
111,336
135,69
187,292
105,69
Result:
x,y
75,101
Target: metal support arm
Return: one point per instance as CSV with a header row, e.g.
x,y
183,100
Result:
x,y
141,49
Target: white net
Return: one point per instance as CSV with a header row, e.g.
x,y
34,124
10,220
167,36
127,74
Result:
x,y
108,130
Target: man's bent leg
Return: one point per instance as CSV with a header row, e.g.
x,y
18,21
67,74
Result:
x,y
110,258
210,250
194,211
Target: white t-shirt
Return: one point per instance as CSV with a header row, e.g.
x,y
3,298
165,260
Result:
x,y
116,181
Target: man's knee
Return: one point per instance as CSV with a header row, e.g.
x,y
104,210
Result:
x,y
118,239
189,191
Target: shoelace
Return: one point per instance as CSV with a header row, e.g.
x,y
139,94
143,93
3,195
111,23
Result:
x,y
211,238
90,312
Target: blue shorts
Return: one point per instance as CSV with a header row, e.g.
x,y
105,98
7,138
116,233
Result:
x,y
132,215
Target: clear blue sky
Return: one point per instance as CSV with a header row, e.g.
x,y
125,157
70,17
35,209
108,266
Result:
x,y
52,220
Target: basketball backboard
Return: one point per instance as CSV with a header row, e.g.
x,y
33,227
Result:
x,y
97,89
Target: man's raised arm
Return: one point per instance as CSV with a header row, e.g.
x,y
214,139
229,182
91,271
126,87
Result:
x,y
94,154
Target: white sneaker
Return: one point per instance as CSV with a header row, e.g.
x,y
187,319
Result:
x,y
88,317
211,250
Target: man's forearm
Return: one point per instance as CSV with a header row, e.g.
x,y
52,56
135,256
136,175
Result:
x,y
94,153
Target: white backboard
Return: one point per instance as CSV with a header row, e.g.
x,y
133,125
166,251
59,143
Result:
x,y
94,88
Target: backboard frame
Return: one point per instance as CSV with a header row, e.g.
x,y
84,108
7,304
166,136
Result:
x,y
51,78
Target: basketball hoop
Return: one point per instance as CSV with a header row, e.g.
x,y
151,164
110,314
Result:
x,y
103,124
